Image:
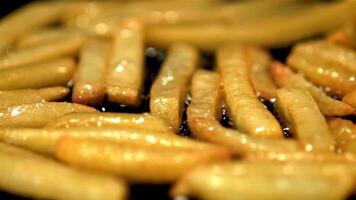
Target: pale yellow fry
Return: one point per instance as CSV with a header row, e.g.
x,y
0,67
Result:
x,y
322,72
345,36
298,108
205,109
233,63
143,121
160,165
48,34
44,140
270,180
37,114
27,19
25,96
126,70
90,77
344,133
350,98
269,33
66,46
328,106
51,73
260,78
170,87
31,175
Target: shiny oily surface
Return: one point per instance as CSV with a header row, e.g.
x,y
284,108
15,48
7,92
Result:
x,y
344,133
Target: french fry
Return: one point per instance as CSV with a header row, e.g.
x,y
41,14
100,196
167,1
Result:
x,y
298,108
268,33
37,114
89,79
126,71
52,73
27,19
344,36
143,121
35,176
205,109
260,78
65,46
270,180
26,96
344,133
44,140
170,87
240,96
328,106
350,98
47,34
321,71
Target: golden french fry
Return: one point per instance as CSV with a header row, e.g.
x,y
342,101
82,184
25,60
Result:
x,y
52,73
27,19
65,46
37,114
44,140
240,96
328,106
345,36
161,164
350,98
170,87
126,71
26,96
31,175
48,34
344,133
143,121
322,72
205,109
267,32
298,108
89,79
256,180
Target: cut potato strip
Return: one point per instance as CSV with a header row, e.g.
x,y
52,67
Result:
x,y
271,180
205,109
170,87
161,165
270,33
37,114
260,78
26,96
345,36
39,177
51,73
322,72
65,46
350,98
234,65
143,121
126,71
344,133
27,19
328,106
44,140
90,77
298,108
46,35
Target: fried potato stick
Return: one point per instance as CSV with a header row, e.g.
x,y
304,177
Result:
x,y
143,121
52,73
26,96
90,77
205,110
298,108
37,114
31,175
161,164
350,98
126,71
240,97
284,77
170,87
344,133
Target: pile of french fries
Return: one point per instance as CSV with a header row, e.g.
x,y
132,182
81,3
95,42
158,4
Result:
x,y
93,52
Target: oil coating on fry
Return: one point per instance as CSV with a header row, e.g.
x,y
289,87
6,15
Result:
x,y
344,133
